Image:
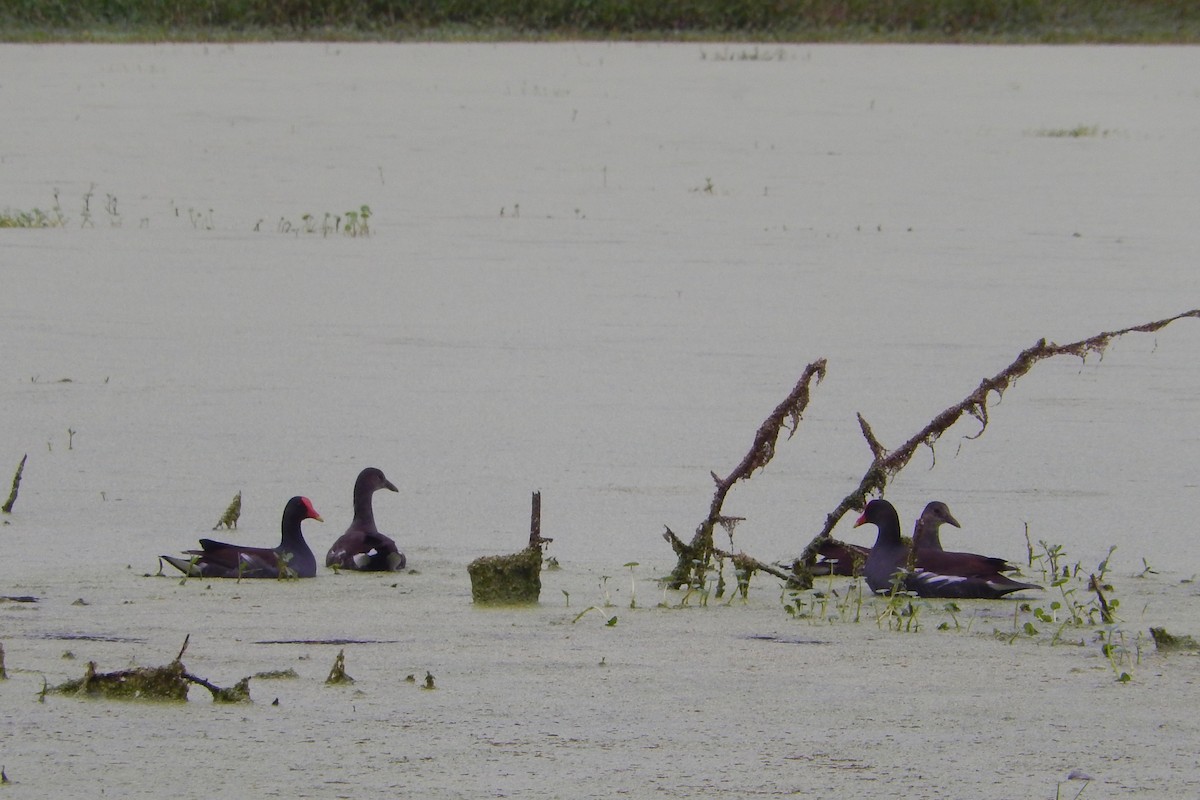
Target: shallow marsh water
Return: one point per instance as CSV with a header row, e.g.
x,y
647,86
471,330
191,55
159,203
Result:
x,y
593,270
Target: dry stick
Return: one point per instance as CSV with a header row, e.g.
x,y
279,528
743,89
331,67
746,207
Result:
x,y
16,484
885,465
694,558
535,522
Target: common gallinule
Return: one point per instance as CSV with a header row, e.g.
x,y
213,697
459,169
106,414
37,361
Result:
x,y
292,558
934,573
362,546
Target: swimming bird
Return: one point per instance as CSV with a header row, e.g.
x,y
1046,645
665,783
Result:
x,y
291,559
927,546
925,532
844,558
935,573
840,558
362,546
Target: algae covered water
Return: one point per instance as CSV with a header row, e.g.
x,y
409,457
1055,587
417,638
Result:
x,y
589,270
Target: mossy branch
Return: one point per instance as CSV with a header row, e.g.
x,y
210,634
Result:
x,y
885,465
695,558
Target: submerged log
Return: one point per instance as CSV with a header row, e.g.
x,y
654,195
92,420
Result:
x,y
514,579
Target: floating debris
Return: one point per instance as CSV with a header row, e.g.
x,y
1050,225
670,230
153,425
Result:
x,y
168,683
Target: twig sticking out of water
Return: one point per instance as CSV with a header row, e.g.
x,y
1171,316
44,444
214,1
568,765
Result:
x,y
695,558
16,485
885,465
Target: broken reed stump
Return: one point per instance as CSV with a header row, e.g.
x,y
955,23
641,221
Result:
x,y
169,683
337,673
16,485
514,579
232,512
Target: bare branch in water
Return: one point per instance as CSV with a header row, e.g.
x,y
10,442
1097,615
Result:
x,y
885,465
695,558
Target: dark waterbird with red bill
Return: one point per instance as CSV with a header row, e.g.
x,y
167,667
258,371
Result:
x,y
932,573
291,559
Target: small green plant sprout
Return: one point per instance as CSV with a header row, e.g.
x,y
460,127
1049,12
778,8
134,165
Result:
x,y
337,673
1146,569
71,438
604,590
1121,655
286,572
357,222
4,776
3,671
631,566
899,613
567,595
428,681
953,610
201,220
232,513
610,622
583,613
85,216
110,206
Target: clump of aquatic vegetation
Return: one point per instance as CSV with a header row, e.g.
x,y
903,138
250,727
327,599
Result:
x,y
34,217
812,20
169,682
1080,609
354,223
1077,132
